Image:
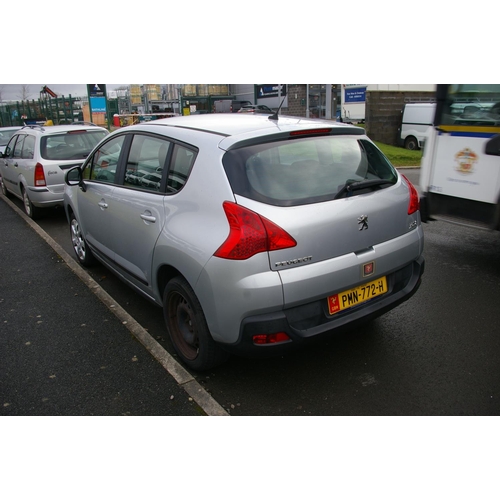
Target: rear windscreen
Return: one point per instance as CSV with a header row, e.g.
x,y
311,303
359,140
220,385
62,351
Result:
x,y
70,145
306,170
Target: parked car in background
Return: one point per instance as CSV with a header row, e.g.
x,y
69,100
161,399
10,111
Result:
x,y
229,105
265,233
256,108
5,134
36,158
151,181
135,176
416,122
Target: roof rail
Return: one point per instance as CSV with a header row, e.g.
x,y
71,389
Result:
x,y
34,125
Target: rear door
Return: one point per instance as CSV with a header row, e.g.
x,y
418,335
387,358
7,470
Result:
x,y
298,182
12,165
301,186
64,150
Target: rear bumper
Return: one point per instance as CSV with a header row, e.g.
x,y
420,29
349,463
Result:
x,y
313,321
50,196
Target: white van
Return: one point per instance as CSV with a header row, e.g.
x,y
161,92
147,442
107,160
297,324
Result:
x,y
415,123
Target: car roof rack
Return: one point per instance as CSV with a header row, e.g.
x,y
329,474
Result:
x,y
33,126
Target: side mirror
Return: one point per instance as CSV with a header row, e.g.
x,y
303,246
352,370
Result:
x,y
74,177
492,147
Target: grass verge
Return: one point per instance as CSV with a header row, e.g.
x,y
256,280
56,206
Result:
x,y
401,157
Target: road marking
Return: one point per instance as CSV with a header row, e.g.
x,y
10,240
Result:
x,y
185,380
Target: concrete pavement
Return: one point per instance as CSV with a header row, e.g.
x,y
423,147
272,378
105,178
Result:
x,y
67,348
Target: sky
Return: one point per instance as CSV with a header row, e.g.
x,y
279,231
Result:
x,y
13,91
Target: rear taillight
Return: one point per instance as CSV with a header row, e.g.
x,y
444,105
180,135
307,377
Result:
x,y
39,175
414,203
250,233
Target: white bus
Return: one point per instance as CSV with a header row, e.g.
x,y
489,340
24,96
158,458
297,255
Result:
x,y
460,169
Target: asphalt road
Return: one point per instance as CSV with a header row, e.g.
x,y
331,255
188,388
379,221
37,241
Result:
x,y
437,354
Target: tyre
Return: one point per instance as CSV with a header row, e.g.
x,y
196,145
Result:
x,y
411,143
82,251
4,188
187,327
31,211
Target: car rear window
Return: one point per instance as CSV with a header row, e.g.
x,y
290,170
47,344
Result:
x,y
70,145
306,170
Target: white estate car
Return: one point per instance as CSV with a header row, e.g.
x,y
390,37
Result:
x,y
34,162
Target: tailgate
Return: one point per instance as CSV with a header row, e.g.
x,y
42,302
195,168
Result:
x,y
330,229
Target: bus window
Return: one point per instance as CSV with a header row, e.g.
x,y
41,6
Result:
x,y
469,104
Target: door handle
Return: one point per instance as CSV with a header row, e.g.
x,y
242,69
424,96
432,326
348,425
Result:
x,y
103,204
148,217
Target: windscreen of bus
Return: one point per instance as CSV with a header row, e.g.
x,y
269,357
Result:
x,y
469,105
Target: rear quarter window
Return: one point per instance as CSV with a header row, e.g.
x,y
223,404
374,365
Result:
x,y
18,147
304,171
28,151
180,168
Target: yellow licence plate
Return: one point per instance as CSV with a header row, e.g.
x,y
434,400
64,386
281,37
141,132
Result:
x,y
358,295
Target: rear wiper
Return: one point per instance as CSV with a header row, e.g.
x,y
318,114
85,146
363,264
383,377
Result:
x,y
351,185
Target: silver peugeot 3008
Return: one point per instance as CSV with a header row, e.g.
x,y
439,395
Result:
x,y
262,233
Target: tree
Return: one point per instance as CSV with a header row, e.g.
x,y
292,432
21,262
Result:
x,y
25,93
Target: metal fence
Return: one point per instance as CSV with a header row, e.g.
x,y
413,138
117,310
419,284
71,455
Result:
x,y
59,110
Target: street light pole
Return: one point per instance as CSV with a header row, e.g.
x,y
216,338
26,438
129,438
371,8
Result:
x,y
179,95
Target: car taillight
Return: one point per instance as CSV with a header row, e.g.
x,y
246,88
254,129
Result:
x,y
39,175
250,233
414,203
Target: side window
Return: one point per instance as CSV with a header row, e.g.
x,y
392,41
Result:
x,y
178,173
103,164
9,150
28,151
19,147
146,162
